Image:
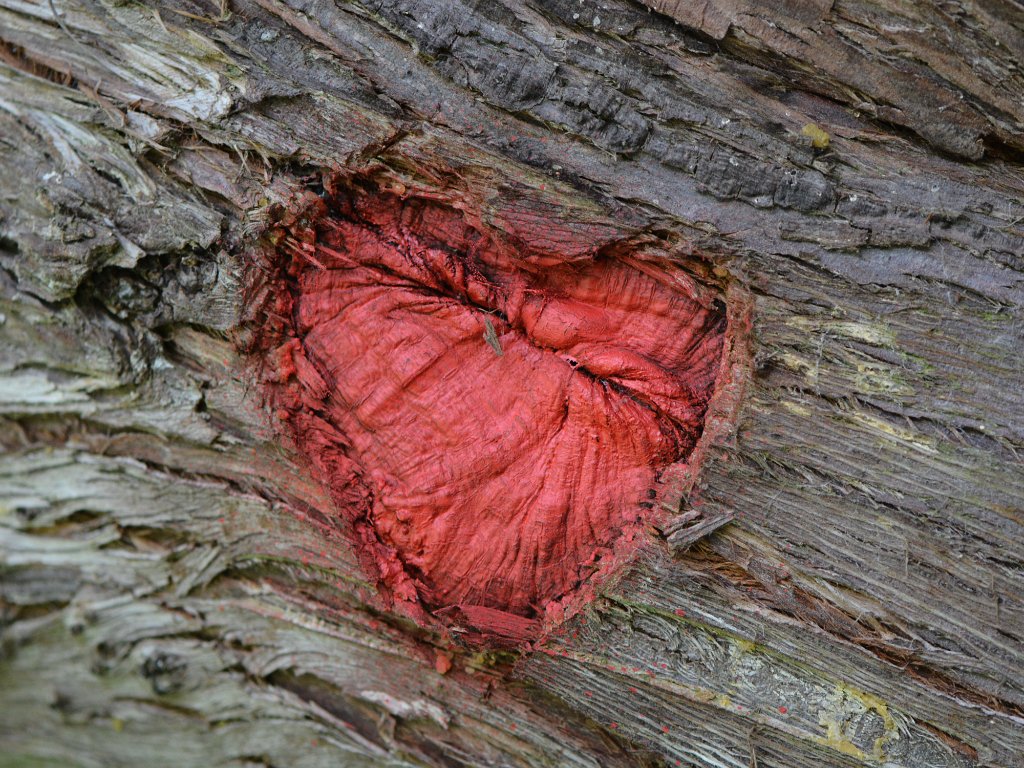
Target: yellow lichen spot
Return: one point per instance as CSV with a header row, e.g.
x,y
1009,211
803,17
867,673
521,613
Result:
x,y
833,720
118,724
745,646
795,408
880,378
912,439
705,696
844,701
799,365
482,660
875,335
845,746
874,702
819,138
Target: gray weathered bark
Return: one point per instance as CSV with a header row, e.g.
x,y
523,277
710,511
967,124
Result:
x,y
165,590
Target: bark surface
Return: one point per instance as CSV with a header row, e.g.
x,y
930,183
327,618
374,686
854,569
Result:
x,y
843,583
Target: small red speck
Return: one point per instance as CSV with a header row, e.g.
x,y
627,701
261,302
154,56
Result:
x,y
282,414
664,729
442,662
632,690
512,727
220,520
613,725
650,672
663,665
588,694
783,710
679,762
680,612
314,743
513,139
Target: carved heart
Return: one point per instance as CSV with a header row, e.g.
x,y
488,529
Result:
x,y
493,423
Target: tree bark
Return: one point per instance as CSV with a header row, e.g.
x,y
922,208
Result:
x,y
169,593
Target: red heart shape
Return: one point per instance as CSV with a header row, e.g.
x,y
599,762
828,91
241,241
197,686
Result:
x,y
493,422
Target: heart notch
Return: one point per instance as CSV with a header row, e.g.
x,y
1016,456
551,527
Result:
x,y
499,425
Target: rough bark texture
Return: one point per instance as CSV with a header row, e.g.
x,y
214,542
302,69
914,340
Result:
x,y
172,590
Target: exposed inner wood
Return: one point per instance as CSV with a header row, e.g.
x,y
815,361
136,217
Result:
x,y
492,419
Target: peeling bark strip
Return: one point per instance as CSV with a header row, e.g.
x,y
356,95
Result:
x,y
921,88
491,416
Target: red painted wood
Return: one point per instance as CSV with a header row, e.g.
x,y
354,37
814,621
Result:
x,y
491,421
